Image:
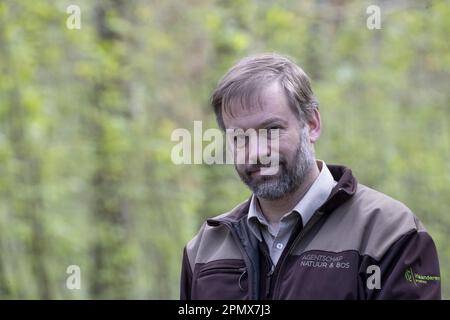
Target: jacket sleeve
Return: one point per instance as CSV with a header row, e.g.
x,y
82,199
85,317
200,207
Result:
x,y
186,278
409,269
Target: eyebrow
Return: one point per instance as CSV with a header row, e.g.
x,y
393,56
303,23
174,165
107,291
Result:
x,y
266,123
272,121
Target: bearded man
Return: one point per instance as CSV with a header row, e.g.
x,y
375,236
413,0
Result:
x,y
309,230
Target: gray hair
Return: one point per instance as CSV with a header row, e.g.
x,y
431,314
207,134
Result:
x,y
245,80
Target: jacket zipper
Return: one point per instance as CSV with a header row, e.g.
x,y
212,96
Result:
x,y
223,269
268,280
317,216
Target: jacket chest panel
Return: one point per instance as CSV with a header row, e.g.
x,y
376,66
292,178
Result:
x,y
319,275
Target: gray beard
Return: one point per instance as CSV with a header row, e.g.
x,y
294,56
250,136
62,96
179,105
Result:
x,y
289,178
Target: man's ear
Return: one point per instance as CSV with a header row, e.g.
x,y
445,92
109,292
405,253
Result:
x,y
314,124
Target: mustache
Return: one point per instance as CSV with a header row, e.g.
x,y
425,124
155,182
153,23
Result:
x,y
249,169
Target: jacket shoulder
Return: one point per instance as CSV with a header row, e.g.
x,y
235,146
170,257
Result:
x,y
380,211
370,222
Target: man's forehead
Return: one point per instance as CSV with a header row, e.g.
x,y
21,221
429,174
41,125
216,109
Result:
x,y
259,110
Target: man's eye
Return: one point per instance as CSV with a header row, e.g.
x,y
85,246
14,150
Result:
x,y
272,130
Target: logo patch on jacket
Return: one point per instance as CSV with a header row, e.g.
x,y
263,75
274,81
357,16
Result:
x,y
325,261
417,278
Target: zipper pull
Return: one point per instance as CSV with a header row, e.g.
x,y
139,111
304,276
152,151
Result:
x,y
269,275
244,271
272,269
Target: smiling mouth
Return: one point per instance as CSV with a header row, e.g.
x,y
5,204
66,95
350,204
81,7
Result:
x,y
254,171
257,173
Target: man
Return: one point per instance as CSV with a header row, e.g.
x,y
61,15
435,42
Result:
x,y
309,231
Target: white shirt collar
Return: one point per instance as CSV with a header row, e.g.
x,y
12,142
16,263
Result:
x,y
313,199
317,194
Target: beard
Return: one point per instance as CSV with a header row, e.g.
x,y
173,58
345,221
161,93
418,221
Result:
x,y
289,177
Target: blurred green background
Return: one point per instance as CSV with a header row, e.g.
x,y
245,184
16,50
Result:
x,y
86,117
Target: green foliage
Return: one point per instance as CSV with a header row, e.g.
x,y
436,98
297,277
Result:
x,y
86,118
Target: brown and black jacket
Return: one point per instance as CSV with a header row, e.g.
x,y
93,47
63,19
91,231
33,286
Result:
x,y
360,244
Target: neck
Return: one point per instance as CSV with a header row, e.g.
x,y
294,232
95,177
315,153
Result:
x,y
274,210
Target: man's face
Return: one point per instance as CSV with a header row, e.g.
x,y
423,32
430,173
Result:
x,y
296,152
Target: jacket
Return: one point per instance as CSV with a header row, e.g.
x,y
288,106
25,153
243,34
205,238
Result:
x,y
360,244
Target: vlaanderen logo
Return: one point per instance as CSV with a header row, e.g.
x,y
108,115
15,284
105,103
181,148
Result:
x,y
241,147
416,278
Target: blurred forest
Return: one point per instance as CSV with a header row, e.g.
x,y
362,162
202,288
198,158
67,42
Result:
x,y
86,117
